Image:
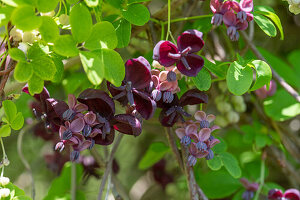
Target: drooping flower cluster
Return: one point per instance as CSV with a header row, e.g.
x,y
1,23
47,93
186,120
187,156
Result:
x,y
89,121
197,136
183,55
290,194
234,15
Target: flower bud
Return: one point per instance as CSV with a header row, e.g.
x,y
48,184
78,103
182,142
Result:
x,y
28,37
201,146
4,192
87,129
156,95
74,155
17,34
192,160
171,76
59,146
156,64
210,155
221,121
4,181
204,124
168,97
49,14
67,135
185,140
232,117
224,107
69,115
6,162
217,19
223,86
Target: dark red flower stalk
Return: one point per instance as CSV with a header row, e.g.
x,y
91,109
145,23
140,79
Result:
x,y
134,87
187,62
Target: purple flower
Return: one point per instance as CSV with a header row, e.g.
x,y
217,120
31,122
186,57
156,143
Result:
x,y
134,87
205,120
250,189
233,25
74,108
173,112
290,194
188,43
263,93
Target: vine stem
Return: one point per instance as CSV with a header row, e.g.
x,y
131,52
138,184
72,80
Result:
x,y
282,82
4,155
169,19
73,181
174,148
262,179
109,165
23,159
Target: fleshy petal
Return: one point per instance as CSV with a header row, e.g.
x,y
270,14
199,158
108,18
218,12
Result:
x,y
195,63
275,194
72,100
229,19
204,134
77,125
246,5
98,102
144,104
191,129
109,138
214,127
90,118
161,53
200,115
83,146
192,39
242,25
215,5
202,154
213,142
210,118
163,76
138,72
192,97
127,124
168,121
292,194
39,97
165,86
62,129
231,6
95,132
193,149
180,132
80,107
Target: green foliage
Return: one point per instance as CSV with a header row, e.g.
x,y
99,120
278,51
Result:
x,y
263,74
49,29
103,35
65,45
239,78
136,14
25,19
219,70
203,80
91,3
231,164
282,106
23,71
5,14
123,31
81,22
215,163
265,24
46,5
17,54
154,153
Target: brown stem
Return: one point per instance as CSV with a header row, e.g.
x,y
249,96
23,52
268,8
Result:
x,y
174,148
195,191
281,81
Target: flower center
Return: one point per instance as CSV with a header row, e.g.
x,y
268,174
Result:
x,y
182,57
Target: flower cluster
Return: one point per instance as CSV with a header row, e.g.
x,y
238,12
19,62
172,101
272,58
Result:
x,y
197,136
290,194
234,15
183,55
90,119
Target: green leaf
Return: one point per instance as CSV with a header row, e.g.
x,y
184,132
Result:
x,y
17,54
136,14
92,66
294,60
265,24
46,5
44,67
103,35
204,24
72,1
5,14
123,31
35,52
281,106
116,3
65,45
10,110
59,68
16,3
215,163
218,184
261,140
5,130
220,147
263,74
154,153
283,69
264,8
275,19
23,71
136,1
22,198
203,80
231,164
91,3
35,84
239,78
81,22
112,62
49,29
219,70
24,18
18,122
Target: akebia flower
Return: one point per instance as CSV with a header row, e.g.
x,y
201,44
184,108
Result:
x,y
251,188
233,25
74,108
173,112
187,62
290,194
134,87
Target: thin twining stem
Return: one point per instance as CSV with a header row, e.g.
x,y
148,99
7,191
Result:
x,y
276,76
109,165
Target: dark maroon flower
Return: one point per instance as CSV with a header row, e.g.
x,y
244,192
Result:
x,y
161,176
133,89
174,111
188,43
103,106
263,93
74,108
290,194
233,25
